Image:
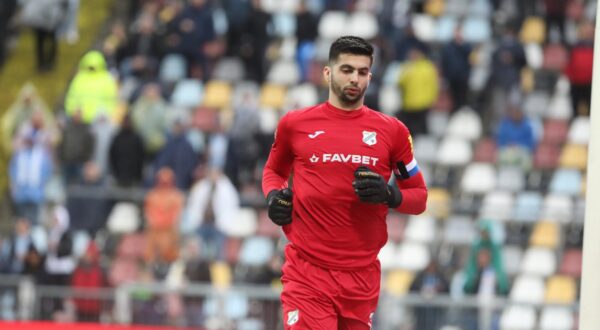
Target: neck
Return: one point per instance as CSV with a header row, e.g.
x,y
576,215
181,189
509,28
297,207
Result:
x,y
336,102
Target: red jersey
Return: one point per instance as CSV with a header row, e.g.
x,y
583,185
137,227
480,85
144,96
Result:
x,y
322,146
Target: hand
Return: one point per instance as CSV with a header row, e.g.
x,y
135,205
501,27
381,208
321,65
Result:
x,y
372,188
280,206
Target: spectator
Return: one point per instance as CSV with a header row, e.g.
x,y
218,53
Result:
x,y
149,115
69,30
35,130
306,33
15,248
60,261
507,62
237,12
244,147
178,155
255,40
103,131
89,213
162,209
190,32
555,18
579,69
515,138
88,275
28,102
127,155
456,68
93,89
429,283
213,201
406,42
76,147
7,10
197,270
116,39
419,86
45,17
34,264
484,271
30,170
142,51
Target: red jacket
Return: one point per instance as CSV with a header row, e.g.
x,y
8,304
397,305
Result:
x,y
579,69
88,277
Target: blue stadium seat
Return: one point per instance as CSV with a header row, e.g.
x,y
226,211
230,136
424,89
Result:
x,y
476,29
188,94
567,182
256,251
512,256
445,28
173,68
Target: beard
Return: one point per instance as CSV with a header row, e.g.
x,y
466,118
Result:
x,y
344,97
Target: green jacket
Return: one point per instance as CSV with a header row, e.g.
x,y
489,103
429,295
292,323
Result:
x,y
471,270
93,90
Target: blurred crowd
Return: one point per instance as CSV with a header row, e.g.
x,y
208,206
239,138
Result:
x,y
180,101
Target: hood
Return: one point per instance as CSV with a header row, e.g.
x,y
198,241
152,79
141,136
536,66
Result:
x,y
92,60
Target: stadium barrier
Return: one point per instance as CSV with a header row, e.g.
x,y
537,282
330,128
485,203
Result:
x,y
238,307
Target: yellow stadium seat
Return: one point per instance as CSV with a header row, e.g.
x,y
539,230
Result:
x,y
533,30
545,234
435,7
560,289
527,80
438,203
220,274
398,282
574,156
217,94
272,96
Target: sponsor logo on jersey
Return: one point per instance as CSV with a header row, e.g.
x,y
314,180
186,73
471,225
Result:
x,y
344,158
371,320
315,134
369,138
293,317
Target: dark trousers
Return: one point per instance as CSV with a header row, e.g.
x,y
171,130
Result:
x,y
459,90
416,121
46,48
581,94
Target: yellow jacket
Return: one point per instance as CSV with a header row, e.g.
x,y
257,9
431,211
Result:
x,y
419,85
93,90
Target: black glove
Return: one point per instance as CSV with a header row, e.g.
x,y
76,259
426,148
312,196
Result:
x,y
372,188
280,206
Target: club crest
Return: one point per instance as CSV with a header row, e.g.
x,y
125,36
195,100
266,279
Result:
x,y
293,317
369,138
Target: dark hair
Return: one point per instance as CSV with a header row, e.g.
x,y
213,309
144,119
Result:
x,y
350,45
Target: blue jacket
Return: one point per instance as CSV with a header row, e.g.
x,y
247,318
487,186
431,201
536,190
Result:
x,y
516,133
30,170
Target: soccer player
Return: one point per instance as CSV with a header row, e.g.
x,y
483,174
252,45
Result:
x,y
339,156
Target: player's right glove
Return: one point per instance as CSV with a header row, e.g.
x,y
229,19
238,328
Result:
x,y
280,206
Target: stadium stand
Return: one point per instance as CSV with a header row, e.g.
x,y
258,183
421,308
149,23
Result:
x,y
224,74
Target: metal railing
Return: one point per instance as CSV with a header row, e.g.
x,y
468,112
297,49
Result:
x,y
235,307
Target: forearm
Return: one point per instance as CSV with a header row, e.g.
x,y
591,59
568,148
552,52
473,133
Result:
x,y
414,195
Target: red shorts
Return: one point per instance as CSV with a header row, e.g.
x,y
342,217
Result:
x,y
319,298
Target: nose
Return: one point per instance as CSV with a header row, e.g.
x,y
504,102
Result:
x,y
354,77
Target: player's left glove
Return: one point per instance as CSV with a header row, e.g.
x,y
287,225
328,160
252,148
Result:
x,y
372,188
